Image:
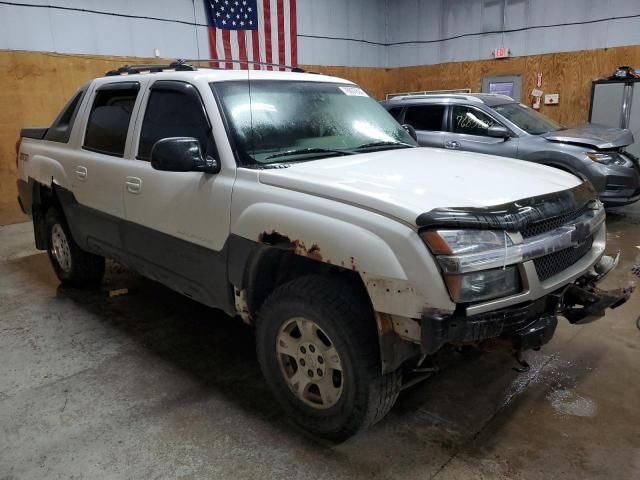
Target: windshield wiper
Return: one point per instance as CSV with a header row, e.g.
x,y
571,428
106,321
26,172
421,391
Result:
x,y
384,144
303,151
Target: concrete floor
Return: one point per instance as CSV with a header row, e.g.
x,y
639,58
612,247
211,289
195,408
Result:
x,y
152,385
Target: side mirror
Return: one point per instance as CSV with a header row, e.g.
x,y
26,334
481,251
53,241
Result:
x,y
498,131
411,131
181,154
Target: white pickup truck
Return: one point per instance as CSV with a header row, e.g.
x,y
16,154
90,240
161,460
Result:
x,y
297,203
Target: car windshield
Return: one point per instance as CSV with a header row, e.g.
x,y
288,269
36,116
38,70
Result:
x,y
527,119
292,121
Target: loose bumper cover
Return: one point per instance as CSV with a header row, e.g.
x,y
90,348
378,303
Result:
x,y
529,325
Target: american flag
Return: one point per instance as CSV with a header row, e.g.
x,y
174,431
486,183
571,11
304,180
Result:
x,y
252,30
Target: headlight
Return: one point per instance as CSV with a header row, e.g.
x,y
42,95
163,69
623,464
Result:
x,y
478,248
460,250
456,242
610,158
484,285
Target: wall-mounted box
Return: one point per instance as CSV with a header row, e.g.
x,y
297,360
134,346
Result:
x,y
552,99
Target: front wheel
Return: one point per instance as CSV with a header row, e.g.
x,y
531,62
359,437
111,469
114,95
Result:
x,y
317,345
72,265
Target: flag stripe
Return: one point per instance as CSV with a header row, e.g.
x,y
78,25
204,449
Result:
x,y
293,29
287,32
220,47
262,43
233,40
281,48
213,46
255,38
242,48
275,51
249,43
226,40
267,32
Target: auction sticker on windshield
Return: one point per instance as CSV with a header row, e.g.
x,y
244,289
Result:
x,y
353,91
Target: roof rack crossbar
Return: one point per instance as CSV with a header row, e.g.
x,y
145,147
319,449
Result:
x,y
185,65
432,96
178,65
248,62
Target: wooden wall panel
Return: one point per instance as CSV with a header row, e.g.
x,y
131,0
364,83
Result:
x,y
569,74
34,86
374,80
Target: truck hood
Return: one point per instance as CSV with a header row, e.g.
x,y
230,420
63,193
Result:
x,y
404,183
597,136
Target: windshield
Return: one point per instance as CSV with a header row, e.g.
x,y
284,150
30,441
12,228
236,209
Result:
x,y
527,119
287,121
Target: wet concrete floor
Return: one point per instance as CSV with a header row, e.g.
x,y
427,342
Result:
x,y
153,385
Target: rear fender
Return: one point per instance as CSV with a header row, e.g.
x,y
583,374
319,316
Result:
x,y
48,171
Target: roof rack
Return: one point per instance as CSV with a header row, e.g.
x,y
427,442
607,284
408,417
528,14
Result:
x,y
469,97
463,91
179,66
182,65
248,62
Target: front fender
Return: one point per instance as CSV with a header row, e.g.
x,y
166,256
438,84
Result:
x,y
319,237
560,160
347,245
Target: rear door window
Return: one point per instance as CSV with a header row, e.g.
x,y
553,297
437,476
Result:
x,y
60,131
471,121
425,117
110,117
174,109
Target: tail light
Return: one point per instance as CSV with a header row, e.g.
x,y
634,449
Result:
x,y
18,151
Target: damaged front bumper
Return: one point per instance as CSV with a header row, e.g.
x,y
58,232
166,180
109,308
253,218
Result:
x,y
529,325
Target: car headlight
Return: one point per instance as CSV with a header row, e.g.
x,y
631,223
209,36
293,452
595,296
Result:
x,y
456,242
483,247
484,285
610,158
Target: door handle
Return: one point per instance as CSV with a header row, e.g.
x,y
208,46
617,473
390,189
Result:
x,y
452,144
81,172
134,185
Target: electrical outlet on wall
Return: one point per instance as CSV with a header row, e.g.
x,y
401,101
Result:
x,y
552,99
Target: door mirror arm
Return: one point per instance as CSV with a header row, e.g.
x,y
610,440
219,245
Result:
x,y
208,164
411,131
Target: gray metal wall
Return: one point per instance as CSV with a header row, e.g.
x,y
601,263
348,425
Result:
x,y
44,29
67,31
377,33
432,21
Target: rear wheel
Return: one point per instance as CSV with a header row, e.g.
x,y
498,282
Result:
x,y
73,266
318,349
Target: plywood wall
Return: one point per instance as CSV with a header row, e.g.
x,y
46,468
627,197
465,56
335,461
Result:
x,y
34,86
569,74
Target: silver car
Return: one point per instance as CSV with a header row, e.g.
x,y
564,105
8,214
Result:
x,y
498,125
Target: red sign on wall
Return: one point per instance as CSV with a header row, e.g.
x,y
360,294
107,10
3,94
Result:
x,y
501,52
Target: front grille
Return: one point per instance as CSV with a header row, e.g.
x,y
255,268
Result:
x,y
551,265
543,226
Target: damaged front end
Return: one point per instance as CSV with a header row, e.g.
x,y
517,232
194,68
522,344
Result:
x,y
555,243
532,324
584,302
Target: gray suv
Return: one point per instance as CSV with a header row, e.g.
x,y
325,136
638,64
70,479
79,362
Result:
x,y
498,125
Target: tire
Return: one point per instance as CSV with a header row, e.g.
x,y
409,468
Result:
x,y
73,266
342,322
